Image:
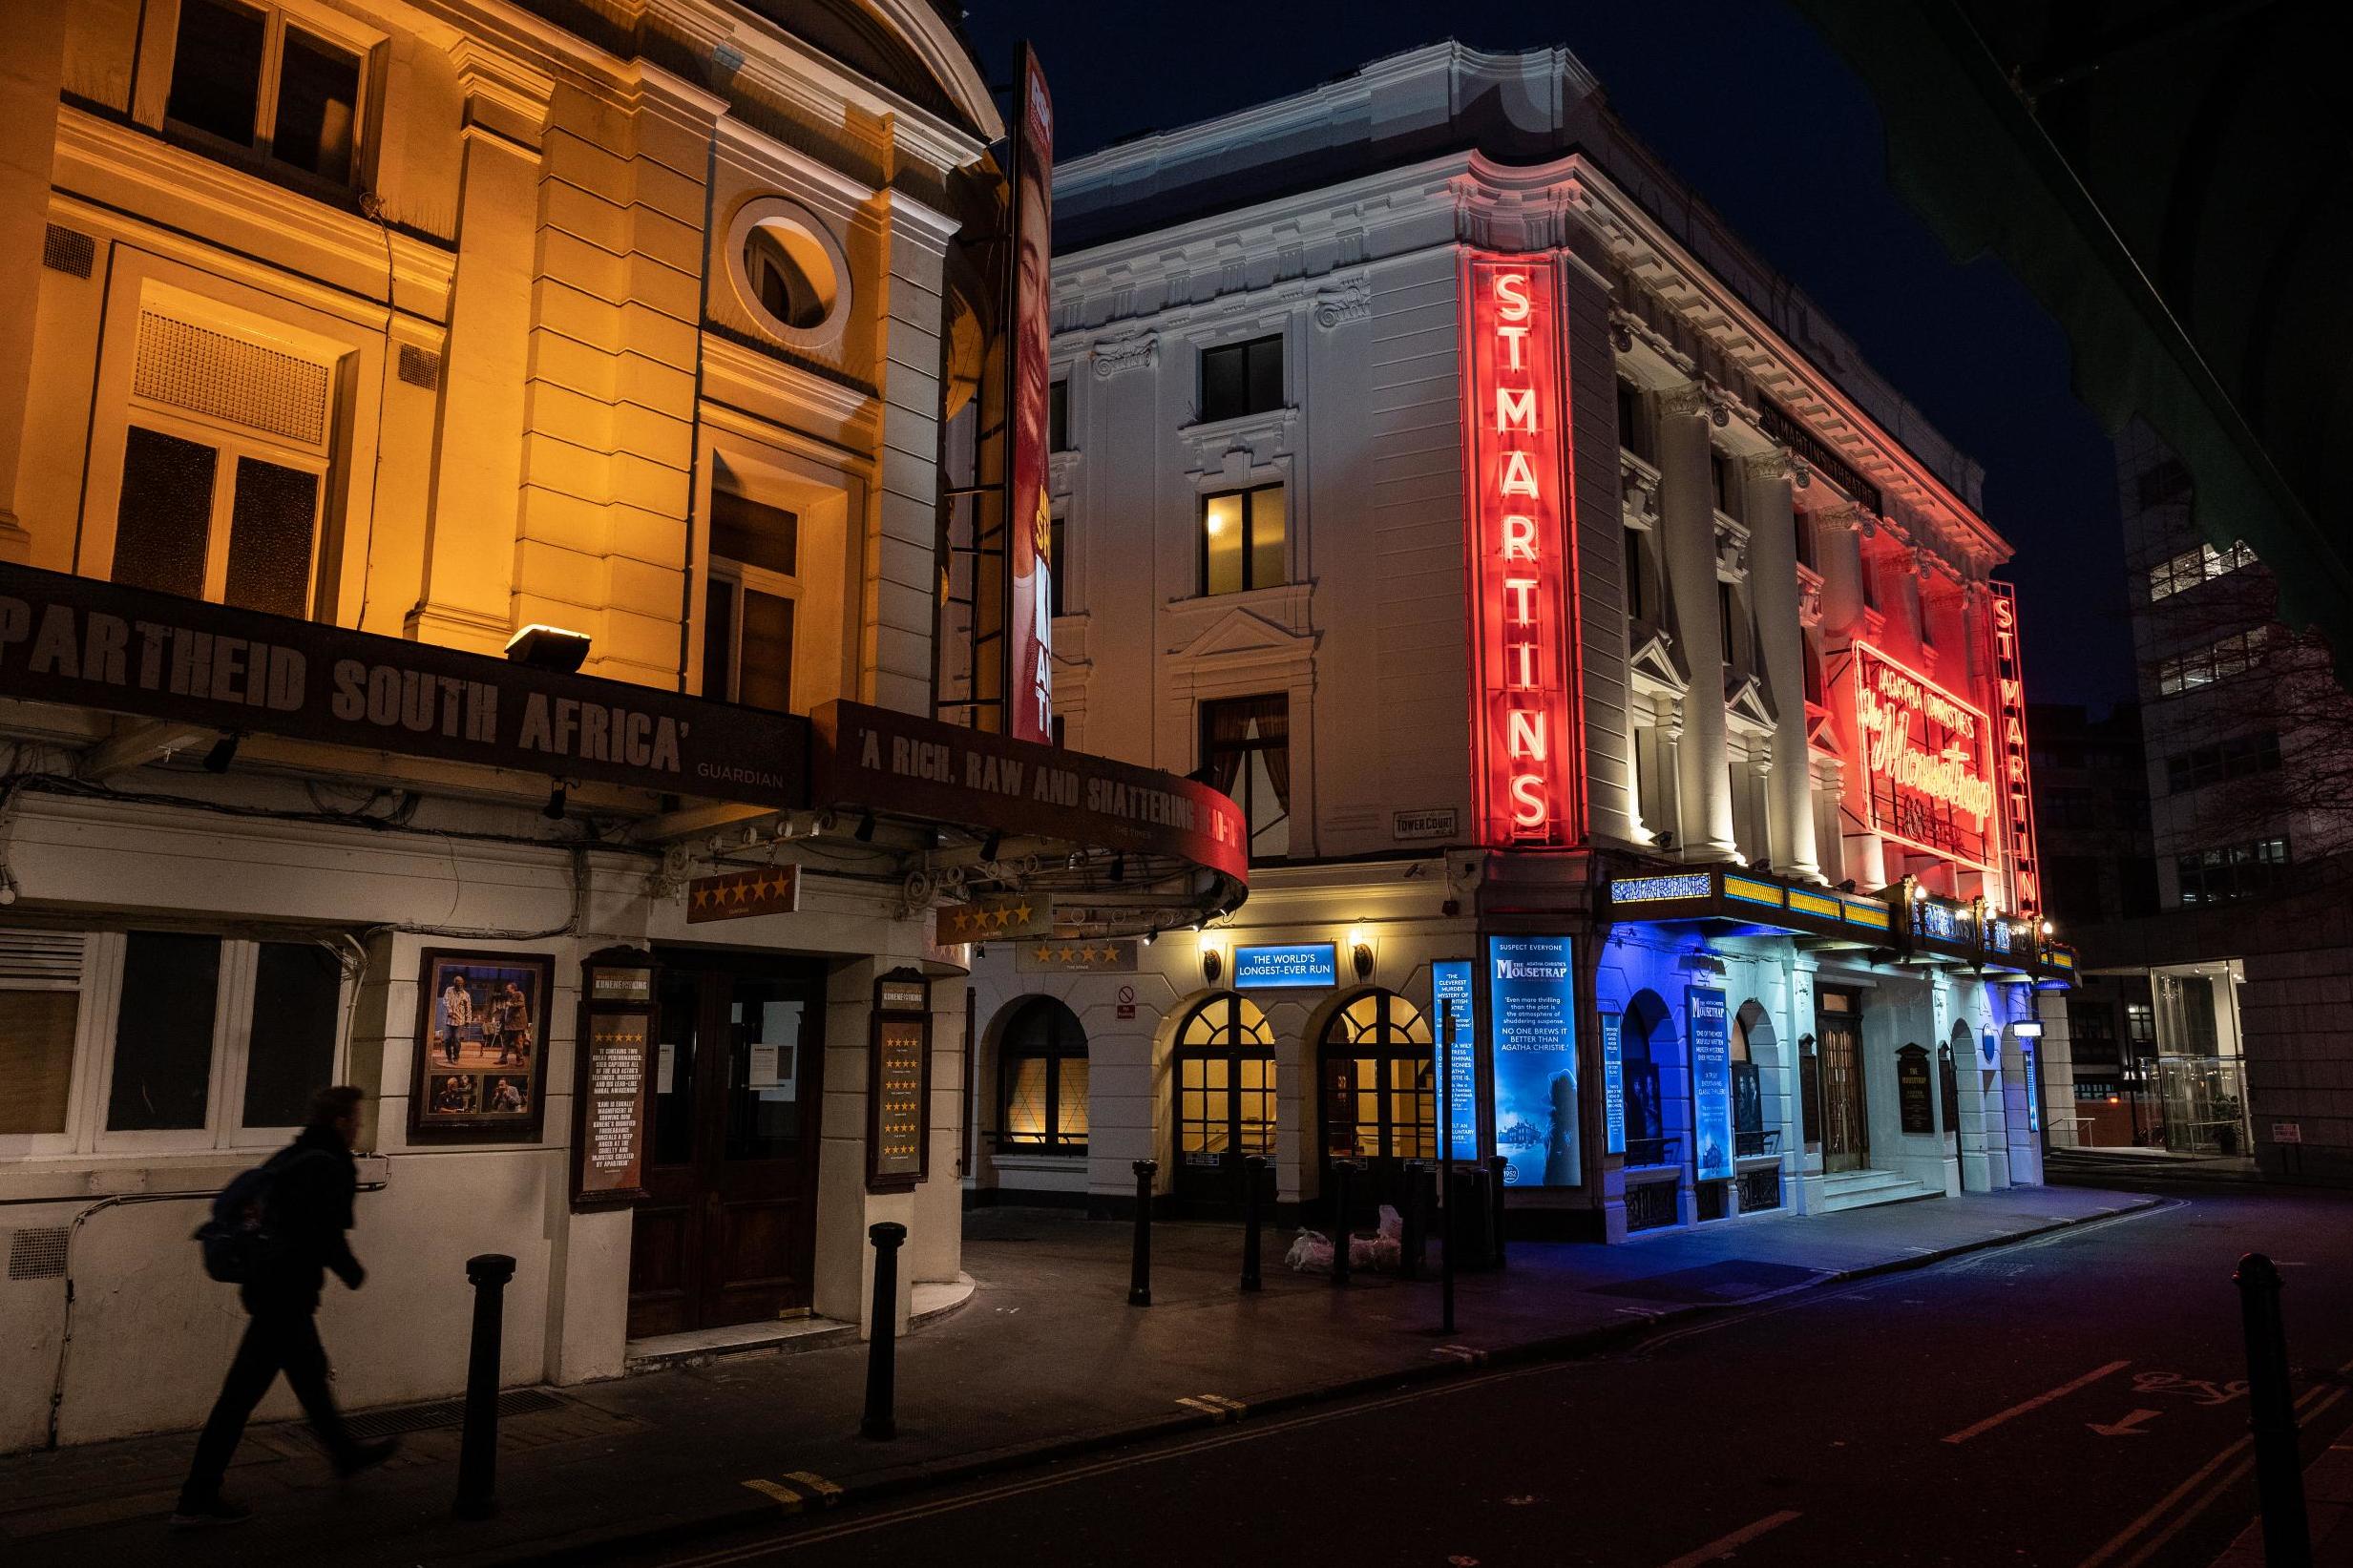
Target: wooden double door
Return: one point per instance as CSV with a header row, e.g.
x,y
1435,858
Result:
x,y
726,1233
1846,1123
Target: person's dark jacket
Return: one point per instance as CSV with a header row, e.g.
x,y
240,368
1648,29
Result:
x,y
309,1211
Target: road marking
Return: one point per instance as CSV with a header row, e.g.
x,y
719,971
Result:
x,y
2038,1401
2126,1425
2204,1389
1461,1352
785,1496
817,1484
1724,1546
1216,1405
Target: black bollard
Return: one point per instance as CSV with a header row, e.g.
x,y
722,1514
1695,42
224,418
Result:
x,y
478,1453
2270,1416
1253,1172
1495,1164
882,1336
1341,1169
1140,1278
1414,1226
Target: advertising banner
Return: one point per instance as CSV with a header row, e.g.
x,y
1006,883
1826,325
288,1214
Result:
x,y
1532,993
1029,618
1292,965
1926,767
1712,1082
1450,983
1613,1082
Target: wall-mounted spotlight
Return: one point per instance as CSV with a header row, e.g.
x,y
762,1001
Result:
x,y
993,843
553,810
222,754
2047,927
865,833
1360,959
1147,937
549,648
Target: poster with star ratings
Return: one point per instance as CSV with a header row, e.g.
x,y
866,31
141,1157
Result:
x,y
1006,915
737,895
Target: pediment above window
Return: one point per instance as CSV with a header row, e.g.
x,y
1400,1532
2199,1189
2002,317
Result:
x,y
1746,708
1238,635
1654,663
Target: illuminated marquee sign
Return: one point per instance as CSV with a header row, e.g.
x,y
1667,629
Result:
x,y
1525,749
2025,877
1924,764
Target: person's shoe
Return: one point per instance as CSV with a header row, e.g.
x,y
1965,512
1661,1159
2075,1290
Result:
x,y
365,1456
199,1515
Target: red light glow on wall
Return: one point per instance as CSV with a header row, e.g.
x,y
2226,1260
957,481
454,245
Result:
x,y
2010,682
1525,751
1924,764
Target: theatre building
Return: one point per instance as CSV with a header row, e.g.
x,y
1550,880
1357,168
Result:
x,y
1602,654
469,492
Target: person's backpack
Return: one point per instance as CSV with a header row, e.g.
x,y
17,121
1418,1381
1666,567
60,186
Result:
x,y
237,1240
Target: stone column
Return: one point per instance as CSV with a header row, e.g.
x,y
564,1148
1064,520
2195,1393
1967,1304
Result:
x,y
1687,527
1773,587
470,532
32,74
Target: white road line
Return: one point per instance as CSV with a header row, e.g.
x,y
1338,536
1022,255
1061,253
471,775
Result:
x,y
1724,1546
2038,1401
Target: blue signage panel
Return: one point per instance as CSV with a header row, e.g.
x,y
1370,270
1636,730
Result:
x,y
1532,991
1613,1082
2034,1087
1712,1082
1292,964
1450,982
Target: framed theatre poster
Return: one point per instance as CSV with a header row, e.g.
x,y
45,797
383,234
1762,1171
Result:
x,y
898,1084
612,1083
480,1069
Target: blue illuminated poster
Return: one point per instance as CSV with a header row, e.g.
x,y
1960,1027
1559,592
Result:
x,y
2034,1090
1450,981
1613,1082
1712,1082
1532,993
1295,964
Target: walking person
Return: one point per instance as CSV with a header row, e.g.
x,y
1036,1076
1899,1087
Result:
x,y
308,1208
456,1012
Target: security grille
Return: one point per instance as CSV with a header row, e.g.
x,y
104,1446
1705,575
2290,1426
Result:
x,y
1760,1189
36,957
37,1254
420,367
1710,1200
210,372
1651,1206
68,251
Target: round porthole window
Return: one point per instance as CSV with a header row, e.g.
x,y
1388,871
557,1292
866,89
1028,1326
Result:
x,y
790,271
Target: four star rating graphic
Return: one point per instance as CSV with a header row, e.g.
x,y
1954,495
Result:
x,y
1013,914
735,895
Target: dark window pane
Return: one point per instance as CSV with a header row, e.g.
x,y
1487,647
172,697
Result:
x,y
1266,375
318,97
217,69
1633,574
165,516
763,1077
1058,417
763,678
1056,564
673,1070
1224,383
37,1059
163,1032
271,520
718,640
754,533
297,995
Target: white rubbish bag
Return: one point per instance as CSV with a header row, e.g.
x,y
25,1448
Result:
x,y
1311,1253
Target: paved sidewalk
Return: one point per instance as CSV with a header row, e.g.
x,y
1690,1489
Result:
x,y
2328,1508
1048,1359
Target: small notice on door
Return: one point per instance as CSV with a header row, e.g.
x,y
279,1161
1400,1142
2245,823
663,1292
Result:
x,y
764,1067
666,1068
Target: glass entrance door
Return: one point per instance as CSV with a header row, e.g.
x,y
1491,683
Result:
x,y
1225,1102
1846,1129
1379,1098
728,1231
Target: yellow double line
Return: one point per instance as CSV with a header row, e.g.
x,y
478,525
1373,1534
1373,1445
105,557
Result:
x,y
800,1489
1217,1405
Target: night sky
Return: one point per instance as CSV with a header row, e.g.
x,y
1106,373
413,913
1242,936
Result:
x,y
1753,110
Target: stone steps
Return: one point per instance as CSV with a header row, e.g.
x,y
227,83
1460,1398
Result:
x,y
1861,1189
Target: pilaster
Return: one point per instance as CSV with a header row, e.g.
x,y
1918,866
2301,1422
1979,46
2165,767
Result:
x,y
32,74
1687,524
1773,585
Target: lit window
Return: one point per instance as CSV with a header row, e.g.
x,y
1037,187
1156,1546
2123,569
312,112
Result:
x,y
1245,747
1242,378
40,1018
2219,660
2185,570
1242,540
253,79
1042,1080
2232,872
749,601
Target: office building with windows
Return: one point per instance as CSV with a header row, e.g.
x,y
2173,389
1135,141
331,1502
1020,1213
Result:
x,y
1605,661
2249,769
469,509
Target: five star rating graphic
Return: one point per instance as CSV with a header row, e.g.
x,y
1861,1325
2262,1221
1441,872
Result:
x,y
736,895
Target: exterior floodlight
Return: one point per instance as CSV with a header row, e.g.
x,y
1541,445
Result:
x,y
547,648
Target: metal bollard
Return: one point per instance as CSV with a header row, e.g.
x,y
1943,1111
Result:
x,y
1497,1164
882,1336
2270,1416
477,1453
1415,1227
1253,1172
1140,1278
1340,1170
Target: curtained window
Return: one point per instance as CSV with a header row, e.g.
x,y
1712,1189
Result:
x,y
1042,1076
1246,750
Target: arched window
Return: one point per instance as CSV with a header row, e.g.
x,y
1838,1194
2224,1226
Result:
x,y
1647,1038
1379,1081
1041,1079
1751,1036
1224,1070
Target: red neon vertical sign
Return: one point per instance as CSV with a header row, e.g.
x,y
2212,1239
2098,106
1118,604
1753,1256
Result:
x,y
1525,746
2009,686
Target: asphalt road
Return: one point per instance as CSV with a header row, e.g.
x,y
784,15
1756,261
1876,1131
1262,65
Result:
x,y
2069,1400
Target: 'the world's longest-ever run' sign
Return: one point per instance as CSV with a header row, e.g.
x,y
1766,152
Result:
x,y
96,644
869,756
